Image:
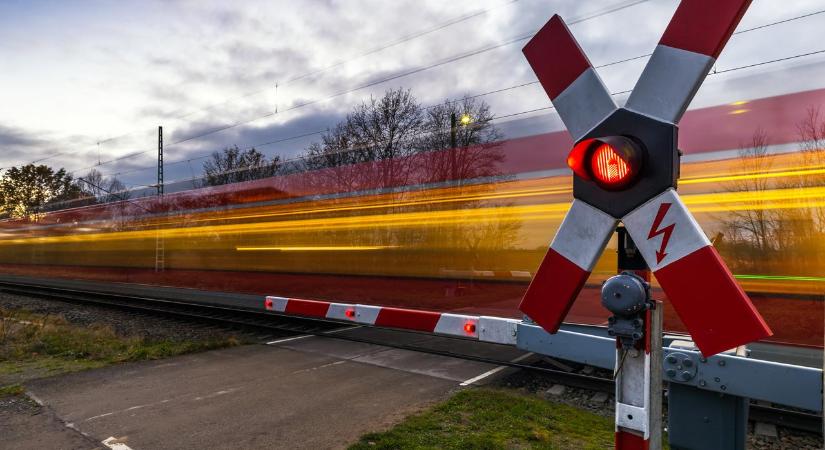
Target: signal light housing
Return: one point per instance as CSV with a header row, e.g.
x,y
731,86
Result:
x,y
612,162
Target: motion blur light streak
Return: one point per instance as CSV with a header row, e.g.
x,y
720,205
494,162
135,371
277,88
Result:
x,y
437,240
314,249
395,204
779,277
801,172
698,203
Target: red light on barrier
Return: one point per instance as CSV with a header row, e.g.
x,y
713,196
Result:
x,y
350,313
470,327
608,166
577,156
268,304
612,162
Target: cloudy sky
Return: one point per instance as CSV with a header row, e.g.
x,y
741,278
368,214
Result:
x,y
83,82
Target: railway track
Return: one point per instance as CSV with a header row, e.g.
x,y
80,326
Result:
x,y
273,325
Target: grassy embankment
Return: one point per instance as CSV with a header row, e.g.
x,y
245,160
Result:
x,y
496,419
35,345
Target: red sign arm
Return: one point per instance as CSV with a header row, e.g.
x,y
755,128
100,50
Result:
x,y
565,73
693,40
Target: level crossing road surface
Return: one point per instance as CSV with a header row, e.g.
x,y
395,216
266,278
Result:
x,y
297,392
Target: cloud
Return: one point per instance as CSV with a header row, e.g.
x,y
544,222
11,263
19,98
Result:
x,y
19,146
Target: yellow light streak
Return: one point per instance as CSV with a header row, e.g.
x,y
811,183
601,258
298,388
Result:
x,y
329,224
738,111
754,176
448,195
738,166
711,202
434,200
315,248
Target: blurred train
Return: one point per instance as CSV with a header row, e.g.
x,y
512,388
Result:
x,y
460,229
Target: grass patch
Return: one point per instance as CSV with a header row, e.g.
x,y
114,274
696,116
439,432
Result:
x,y
494,419
34,345
12,389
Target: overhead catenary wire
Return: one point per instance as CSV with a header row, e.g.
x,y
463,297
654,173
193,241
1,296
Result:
x,y
404,39
546,108
519,113
520,85
449,60
382,47
440,63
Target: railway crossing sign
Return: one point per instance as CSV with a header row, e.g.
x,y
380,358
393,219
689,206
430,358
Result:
x,y
626,166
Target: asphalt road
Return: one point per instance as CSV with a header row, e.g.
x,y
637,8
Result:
x,y
304,392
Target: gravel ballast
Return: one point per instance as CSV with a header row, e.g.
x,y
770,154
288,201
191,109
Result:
x,y
604,404
124,323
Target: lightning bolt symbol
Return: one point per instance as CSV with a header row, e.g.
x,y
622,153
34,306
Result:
x,y
665,232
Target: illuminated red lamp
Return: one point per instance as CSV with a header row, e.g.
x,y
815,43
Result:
x,y
350,313
612,162
268,304
470,328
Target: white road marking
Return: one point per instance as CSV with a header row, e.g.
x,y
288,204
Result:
x,y
304,336
344,329
215,394
115,444
493,371
320,367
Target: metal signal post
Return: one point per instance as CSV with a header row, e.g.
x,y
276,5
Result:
x,y
636,324
160,248
160,161
625,166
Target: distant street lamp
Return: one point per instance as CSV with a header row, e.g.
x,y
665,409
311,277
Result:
x,y
465,120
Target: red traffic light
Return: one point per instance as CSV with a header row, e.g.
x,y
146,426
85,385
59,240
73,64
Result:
x,y
612,162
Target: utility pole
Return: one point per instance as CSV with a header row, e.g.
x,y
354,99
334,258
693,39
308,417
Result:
x,y
453,145
160,253
160,161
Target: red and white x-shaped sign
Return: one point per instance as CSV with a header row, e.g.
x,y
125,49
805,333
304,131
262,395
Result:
x,y
704,293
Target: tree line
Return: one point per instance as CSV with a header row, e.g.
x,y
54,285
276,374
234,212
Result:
x,y
33,189
393,126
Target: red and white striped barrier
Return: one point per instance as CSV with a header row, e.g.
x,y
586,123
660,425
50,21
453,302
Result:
x,y
483,328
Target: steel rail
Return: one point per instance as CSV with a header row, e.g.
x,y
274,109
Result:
x,y
264,320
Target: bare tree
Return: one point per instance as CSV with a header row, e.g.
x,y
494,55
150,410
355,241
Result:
x,y
393,141
382,129
233,165
336,154
102,189
769,233
466,127
812,137
755,225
